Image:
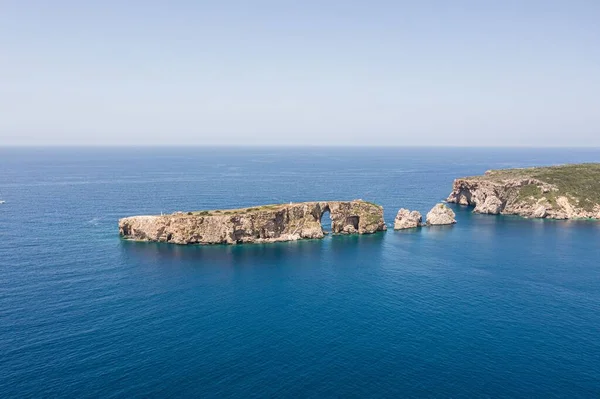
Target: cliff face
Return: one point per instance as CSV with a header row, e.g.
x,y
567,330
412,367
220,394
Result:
x,y
558,192
268,223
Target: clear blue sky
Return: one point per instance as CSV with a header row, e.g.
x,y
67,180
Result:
x,y
307,72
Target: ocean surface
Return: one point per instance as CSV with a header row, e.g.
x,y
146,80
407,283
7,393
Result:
x,y
494,306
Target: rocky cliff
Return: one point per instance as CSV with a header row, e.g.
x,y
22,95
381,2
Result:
x,y
557,192
268,223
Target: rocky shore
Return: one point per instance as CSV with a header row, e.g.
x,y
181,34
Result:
x,y
556,192
262,224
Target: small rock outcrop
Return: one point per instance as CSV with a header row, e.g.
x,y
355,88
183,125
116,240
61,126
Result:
x,y
555,192
440,215
406,219
268,223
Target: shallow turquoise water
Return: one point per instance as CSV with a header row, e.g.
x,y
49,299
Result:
x,y
493,306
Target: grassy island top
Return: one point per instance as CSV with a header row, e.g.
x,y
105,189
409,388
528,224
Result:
x,y
259,208
214,212
580,181
588,172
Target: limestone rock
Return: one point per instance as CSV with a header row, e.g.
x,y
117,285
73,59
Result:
x,y
440,215
269,223
492,205
539,212
406,219
556,192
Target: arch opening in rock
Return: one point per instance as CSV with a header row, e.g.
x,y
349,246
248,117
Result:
x,y
326,221
352,221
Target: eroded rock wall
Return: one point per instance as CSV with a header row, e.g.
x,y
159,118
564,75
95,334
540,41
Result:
x,y
526,197
270,223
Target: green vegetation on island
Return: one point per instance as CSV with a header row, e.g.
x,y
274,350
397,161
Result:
x,y
561,192
578,181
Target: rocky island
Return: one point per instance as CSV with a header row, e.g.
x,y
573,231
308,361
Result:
x,y
439,215
261,224
556,192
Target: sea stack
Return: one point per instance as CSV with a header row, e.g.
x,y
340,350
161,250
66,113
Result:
x,y
440,215
406,219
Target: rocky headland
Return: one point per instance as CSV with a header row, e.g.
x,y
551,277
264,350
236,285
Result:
x,y
555,192
261,224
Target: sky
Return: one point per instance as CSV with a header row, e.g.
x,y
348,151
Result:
x,y
300,72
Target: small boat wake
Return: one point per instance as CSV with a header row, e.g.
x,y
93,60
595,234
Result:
x,y
95,221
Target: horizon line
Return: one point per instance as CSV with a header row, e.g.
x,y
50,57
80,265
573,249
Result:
x,y
354,146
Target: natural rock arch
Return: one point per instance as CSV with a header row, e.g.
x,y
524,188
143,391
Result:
x,y
268,223
326,220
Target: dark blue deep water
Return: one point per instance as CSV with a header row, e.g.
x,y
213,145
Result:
x,y
490,307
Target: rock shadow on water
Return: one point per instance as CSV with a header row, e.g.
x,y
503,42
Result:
x,y
239,255
359,253
477,226
438,231
359,241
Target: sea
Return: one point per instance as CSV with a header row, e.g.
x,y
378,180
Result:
x,y
492,307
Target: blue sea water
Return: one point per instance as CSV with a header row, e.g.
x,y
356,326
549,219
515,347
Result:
x,y
493,306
